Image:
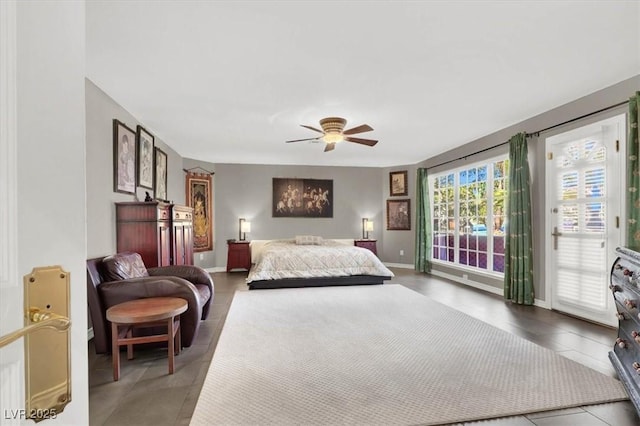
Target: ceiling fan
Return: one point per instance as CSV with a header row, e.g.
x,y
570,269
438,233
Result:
x,y
333,133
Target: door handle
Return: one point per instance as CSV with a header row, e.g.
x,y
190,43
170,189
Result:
x,y
555,235
38,322
47,342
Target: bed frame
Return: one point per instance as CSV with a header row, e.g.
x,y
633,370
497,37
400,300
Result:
x,y
317,282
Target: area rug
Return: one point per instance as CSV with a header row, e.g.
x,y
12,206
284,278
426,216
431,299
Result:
x,y
379,355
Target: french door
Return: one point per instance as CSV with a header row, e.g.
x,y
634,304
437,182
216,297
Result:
x,y
584,180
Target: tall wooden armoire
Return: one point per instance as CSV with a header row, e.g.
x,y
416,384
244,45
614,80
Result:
x,y
162,233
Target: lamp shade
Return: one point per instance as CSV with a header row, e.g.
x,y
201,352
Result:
x,y
245,226
367,226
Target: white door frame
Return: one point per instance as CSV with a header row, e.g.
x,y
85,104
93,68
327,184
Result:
x,y
11,294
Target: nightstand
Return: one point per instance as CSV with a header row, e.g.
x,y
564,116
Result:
x,y
238,255
368,244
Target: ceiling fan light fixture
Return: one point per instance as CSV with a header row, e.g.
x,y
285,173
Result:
x,y
333,132
333,137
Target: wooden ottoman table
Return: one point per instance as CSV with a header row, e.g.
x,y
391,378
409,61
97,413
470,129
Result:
x,y
142,313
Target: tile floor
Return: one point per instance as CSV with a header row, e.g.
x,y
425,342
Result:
x,y
147,395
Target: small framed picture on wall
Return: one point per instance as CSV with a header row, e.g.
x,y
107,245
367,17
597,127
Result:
x,y
399,215
160,174
398,183
124,158
145,158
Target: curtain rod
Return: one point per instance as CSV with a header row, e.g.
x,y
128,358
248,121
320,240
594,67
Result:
x,y
198,167
536,133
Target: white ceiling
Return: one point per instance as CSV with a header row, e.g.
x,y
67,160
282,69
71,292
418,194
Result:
x,y
229,82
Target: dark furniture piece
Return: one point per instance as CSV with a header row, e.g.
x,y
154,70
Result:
x,y
161,233
624,285
238,255
368,244
150,312
123,277
181,235
317,282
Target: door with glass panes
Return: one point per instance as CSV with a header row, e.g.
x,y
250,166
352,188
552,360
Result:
x,y
585,175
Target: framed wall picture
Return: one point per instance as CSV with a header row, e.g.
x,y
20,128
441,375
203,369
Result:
x,y
398,183
145,145
160,174
294,197
124,158
399,215
198,190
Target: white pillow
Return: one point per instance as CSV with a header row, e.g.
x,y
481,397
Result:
x,y
308,240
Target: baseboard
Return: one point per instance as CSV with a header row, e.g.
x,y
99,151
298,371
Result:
x,y
399,265
484,287
90,334
542,303
216,269
467,281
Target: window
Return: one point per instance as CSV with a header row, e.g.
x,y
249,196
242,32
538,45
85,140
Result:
x,y
469,206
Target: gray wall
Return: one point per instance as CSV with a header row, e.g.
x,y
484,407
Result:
x,y
395,241
246,191
586,105
100,112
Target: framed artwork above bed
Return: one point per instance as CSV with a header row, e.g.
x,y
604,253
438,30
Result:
x,y
293,197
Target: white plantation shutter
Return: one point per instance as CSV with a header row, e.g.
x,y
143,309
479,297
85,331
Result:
x,y
581,199
581,273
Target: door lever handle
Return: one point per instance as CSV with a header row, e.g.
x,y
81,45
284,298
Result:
x,y
38,321
555,234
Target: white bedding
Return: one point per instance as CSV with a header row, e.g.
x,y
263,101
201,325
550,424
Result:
x,y
277,259
256,246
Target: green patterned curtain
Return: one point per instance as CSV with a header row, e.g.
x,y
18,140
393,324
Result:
x,y
423,223
633,176
518,252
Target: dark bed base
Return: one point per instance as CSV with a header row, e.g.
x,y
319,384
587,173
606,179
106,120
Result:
x,y
317,282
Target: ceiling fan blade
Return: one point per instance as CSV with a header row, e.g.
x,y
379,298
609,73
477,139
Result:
x,y
368,142
359,129
300,140
312,128
330,147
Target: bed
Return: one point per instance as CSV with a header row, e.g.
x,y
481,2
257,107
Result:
x,y
304,262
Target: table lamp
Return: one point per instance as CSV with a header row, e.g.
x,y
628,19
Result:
x,y
245,227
